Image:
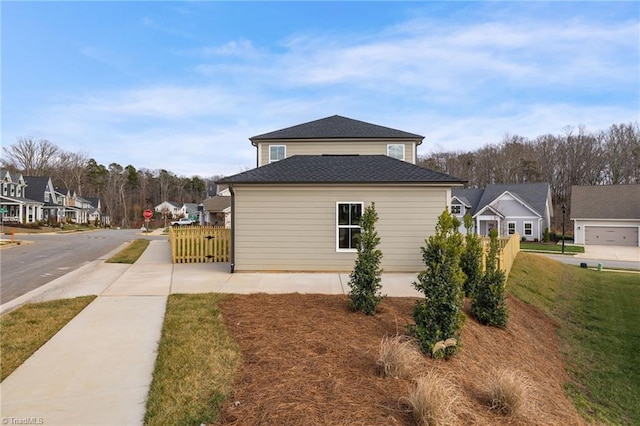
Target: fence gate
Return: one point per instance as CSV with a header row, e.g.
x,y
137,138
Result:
x,y
200,244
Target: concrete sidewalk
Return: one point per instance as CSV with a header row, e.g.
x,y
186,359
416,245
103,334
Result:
x,y
98,368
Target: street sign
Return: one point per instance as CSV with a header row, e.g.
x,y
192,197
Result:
x,y
3,210
148,214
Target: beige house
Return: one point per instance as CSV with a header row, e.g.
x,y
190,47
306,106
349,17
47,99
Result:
x,y
300,209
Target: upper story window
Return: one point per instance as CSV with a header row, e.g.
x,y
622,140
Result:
x,y
348,225
277,153
396,151
456,208
12,190
4,188
46,197
18,192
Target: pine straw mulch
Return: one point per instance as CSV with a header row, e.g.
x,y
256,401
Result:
x,y
307,359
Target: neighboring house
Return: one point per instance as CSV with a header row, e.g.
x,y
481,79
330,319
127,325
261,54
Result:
x,y
189,210
41,189
525,209
170,208
336,135
96,213
19,208
217,211
606,215
300,210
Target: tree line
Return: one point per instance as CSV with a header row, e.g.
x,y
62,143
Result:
x,y
573,157
123,191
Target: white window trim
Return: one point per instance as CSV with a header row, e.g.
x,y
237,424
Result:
x,y
396,144
337,228
277,146
524,229
455,205
515,227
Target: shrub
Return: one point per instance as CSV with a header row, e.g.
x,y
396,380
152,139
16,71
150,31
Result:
x,y
433,399
547,235
439,315
398,356
489,306
471,258
509,392
365,279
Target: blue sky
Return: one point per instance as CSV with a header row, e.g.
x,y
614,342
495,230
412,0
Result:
x,y
183,85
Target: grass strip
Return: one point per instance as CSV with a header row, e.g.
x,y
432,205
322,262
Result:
x,y
196,363
27,328
599,333
131,253
553,248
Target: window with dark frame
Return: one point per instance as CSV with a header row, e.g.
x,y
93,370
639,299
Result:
x,y
349,215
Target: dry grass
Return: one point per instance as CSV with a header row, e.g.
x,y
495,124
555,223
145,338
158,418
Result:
x,y
399,357
31,326
434,399
510,392
131,253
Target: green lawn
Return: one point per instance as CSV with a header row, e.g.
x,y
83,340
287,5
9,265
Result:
x,y
196,363
30,326
599,331
131,253
552,247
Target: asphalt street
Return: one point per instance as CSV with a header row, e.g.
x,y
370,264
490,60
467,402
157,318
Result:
x,y
42,258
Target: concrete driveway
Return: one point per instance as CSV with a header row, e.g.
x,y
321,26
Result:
x,y
627,254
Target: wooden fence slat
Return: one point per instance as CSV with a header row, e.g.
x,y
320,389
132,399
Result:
x,y
200,244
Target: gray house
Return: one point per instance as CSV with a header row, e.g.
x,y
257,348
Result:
x,y
606,215
525,209
300,209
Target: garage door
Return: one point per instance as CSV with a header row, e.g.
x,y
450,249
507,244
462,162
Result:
x,y
611,236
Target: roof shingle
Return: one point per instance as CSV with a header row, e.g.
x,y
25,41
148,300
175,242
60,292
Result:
x,y
309,169
336,127
605,202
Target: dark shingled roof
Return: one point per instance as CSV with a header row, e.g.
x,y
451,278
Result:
x,y
341,169
605,202
534,194
336,127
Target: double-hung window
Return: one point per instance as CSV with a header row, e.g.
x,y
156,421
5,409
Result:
x,y
396,151
456,208
511,227
528,228
348,218
277,153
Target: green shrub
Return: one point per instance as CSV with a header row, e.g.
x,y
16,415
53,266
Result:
x,y
439,316
547,235
365,279
489,305
471,258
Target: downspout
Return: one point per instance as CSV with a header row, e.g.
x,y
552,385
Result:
x,y
233,228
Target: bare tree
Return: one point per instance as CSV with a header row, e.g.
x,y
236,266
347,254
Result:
x,y
32,157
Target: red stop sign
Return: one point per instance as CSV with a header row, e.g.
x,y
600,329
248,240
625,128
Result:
x,y
148,214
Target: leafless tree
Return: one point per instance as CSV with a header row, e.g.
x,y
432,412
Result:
x,y
30,156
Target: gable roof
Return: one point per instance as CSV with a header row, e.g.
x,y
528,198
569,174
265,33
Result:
x,y
605,202
533,194
217,203
336,127
309,169
36,187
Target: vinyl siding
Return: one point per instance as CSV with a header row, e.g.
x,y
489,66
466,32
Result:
x,y
343,147
287,228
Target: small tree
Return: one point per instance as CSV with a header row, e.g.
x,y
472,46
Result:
x,y
366,276
438,317
471,258
489,305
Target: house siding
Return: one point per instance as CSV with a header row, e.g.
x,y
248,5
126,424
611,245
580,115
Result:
x,y
293,228
333,147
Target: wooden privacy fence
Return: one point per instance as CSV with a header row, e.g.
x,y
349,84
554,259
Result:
x,y
200,244
508,249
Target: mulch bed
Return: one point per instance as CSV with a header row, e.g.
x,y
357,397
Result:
x,y
307,359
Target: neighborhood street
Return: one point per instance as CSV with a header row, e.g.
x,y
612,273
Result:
x,y
47,257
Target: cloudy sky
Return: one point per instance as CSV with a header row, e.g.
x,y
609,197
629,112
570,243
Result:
x,y
183,85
